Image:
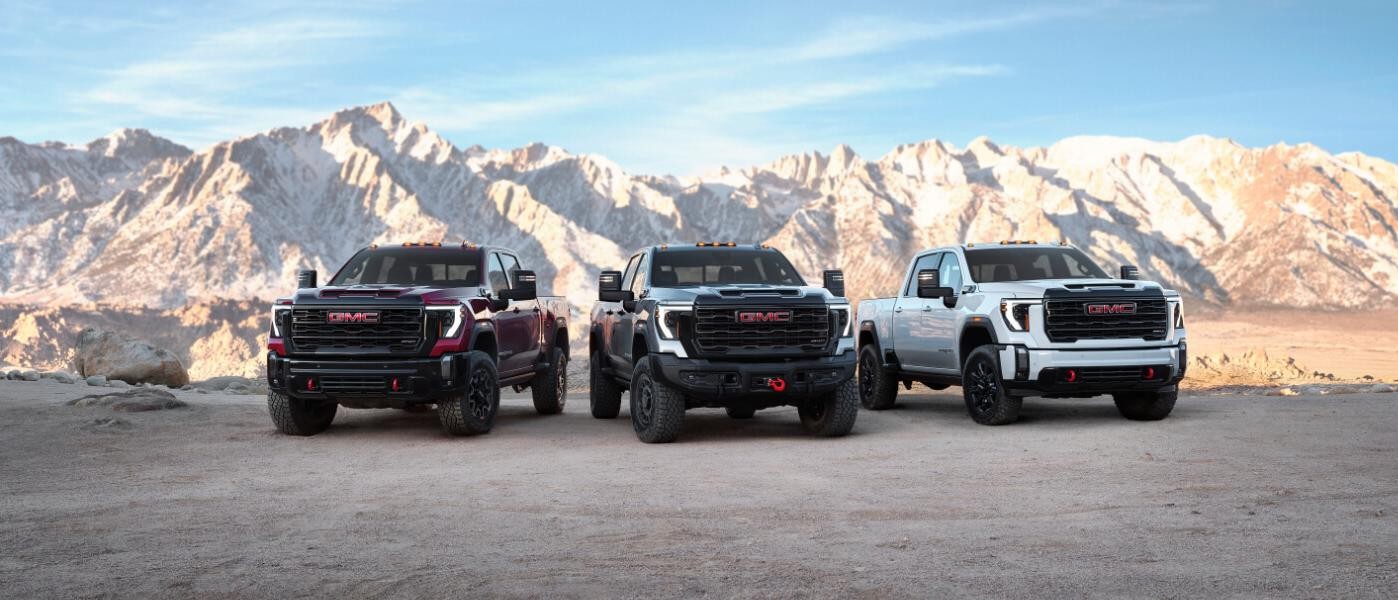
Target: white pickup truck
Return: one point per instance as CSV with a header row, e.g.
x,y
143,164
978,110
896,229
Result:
x,y
1017,319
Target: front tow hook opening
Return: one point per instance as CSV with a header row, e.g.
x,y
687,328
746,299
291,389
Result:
x,y
777,384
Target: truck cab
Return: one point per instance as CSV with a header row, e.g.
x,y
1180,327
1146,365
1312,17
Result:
x,y
721,325
1016,319
417,324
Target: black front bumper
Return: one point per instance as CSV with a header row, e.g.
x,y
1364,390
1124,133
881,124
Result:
x,y
368,382
775,383
1088,381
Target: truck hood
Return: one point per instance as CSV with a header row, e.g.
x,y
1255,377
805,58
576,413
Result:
x,y
380,294
1036,288
738,292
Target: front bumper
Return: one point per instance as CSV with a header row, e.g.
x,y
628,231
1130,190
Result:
x,y
368,382
1072,372
711,382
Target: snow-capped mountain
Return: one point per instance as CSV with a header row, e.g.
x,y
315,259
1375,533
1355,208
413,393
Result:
x,y
135,219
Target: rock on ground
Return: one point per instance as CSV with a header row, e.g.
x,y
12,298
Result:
x,y
28,375
97,381
60,376
134,361
136,400
232,385
106,425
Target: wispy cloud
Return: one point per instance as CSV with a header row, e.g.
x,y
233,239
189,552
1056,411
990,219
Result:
x,y
211,83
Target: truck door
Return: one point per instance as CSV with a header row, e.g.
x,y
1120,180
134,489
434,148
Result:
x,y
940,319
912,339
623,323
511,326
531,324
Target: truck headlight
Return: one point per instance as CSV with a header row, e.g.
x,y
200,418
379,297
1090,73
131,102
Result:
x,y
843,323
667,320
1016,313
277,320
449,320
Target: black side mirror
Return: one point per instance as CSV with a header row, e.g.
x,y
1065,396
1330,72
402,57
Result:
x,y
609,287
526,286
306,278
835,282
929,285
1130,272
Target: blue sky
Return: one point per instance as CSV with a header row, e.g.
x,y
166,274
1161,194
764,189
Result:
x,y
683,87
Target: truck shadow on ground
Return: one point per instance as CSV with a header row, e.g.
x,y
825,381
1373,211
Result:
x,y
946,407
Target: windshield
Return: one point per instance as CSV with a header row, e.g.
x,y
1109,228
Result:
x,y
1028,263
437,267
722,267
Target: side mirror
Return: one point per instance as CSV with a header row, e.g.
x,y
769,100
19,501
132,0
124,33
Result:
x,y
835,282
525,288
306,278
929,285
1130,272
609,287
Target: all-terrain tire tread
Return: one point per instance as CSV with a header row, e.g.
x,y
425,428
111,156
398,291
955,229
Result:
x,y
668,417
296,417
841,410
1006,408
885,386
604,394
453,412
549,399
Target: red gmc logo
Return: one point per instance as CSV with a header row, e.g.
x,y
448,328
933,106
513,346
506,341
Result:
x,y
1123,308
771,316
352,317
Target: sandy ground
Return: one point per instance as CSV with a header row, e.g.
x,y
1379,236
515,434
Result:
x,y
1348,344
1233,495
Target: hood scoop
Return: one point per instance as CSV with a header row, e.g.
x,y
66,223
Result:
x,y
362,293
1084,286
760,292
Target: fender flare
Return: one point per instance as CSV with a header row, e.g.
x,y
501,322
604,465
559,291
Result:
x,y
483,328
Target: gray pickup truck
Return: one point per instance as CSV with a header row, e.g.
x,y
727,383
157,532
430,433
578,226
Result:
x,y
1016,319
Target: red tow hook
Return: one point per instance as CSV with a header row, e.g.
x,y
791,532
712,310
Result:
x,y
777,384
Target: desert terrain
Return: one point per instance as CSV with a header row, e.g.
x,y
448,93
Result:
x,y
1234,494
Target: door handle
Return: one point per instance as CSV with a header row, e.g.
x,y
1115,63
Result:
x,y
536,309
926,308
516,309
898,309
610,312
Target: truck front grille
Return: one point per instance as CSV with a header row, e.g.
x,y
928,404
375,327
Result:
x,y
794,330
397,331
1068,320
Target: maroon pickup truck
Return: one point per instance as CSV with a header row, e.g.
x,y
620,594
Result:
x,y
416,325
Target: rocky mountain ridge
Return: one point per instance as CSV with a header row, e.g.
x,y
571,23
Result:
x,y
137,220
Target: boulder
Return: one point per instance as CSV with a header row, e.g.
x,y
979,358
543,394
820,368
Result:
x,y
60,376
97,381
12,374
131,360
134,400
233,384
117,383
28,375
1380,388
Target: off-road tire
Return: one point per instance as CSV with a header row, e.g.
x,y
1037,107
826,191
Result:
x,y
987,400
550,388
299,417
604,394
740,412
878,390
1146,406
657,410
472,412
831,414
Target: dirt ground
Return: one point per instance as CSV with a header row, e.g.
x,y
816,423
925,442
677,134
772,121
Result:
x,y
1233,495
1349,345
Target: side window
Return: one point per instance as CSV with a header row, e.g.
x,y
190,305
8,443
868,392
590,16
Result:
x,y
926,261
639,282
511,265
495,274
950,272
630,272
